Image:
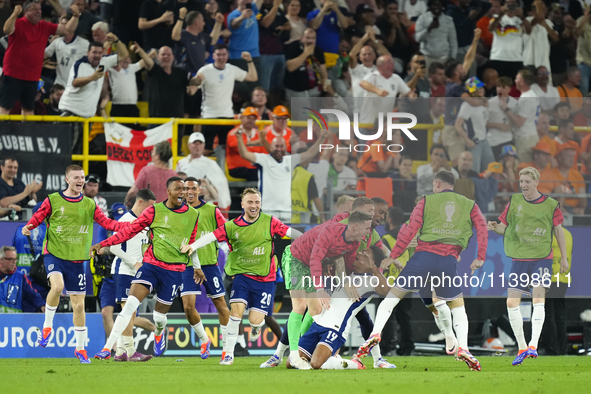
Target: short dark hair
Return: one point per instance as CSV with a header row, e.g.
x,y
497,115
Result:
x,y
437,146
94,44
172,180
528,77
378,255
562,104
11,158
191,16
396,215
359,217
217,47
193,179
436,66
450,66
378,200
446,177
145,195
56,88
361,201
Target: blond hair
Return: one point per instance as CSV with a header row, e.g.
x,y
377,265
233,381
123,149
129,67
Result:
x,y
343,200
250,190
532,172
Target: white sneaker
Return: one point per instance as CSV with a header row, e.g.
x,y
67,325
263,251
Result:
x,y
382,363
274,361
451,345
255,333
299,363
228,360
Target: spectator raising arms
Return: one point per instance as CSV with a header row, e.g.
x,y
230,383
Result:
x,y
23,59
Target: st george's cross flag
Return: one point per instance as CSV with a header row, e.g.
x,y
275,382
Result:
x,y
128,151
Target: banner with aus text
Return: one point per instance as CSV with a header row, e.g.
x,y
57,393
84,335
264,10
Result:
x,y
43,152
128,151
18,335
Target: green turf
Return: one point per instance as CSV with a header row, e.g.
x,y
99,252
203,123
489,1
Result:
x,y
414,375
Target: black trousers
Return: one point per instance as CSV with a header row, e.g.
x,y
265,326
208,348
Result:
x,y
554,336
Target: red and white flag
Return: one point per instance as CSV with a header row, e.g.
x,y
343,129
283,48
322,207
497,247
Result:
x,y
128,151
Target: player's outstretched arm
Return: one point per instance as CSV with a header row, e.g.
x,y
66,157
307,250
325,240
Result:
x,y
38,217
105,222
128,232
201,242
479,223
292,233
498,228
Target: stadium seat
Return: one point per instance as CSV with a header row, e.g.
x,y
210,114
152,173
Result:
x,y
377,187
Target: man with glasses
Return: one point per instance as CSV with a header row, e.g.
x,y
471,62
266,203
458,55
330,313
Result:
x,y
16,292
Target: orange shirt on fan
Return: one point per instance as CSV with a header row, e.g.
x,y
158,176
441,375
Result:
x,y
286,136
573,96
233,157
552,178
377,152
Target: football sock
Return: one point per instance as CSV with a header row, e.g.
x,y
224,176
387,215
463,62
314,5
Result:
x,y
306,323
445,321
280,351
376,353
49,314
200,331
516,321
333,363
294,325
122,321
438,322
224,330
284,339
241,341
128,345
384,311
160,321
233,327
537,322
258,326
80,335
460,322
120,347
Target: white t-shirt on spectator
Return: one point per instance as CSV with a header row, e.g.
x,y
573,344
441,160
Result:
x,y
83,101
393,85
204,167
217,88
124,85
507,42
347,177
320,171
66,55
414,11
495,136
528,107
549,98
357,75
275,185
536,45
475,118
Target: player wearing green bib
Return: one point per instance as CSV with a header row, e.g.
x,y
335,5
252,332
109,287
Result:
x,y
69,216
251,262
210,218
444,222
172,224
528,224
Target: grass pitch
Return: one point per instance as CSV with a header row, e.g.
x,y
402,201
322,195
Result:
x,y
414,375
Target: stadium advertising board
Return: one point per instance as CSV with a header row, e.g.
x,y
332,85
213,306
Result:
x,y
18,335
43,151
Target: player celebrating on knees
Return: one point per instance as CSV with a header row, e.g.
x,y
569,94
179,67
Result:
x,y
210,218
129,259
445,220
330,329
172,224
528,223
251,262
70,218
305,258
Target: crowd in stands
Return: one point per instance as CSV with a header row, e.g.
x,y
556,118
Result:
x,y
496,74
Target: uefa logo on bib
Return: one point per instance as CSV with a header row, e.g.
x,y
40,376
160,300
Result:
x,y
449,211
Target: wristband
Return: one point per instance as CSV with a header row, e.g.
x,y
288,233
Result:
x,y
182,19
251,61
115,42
